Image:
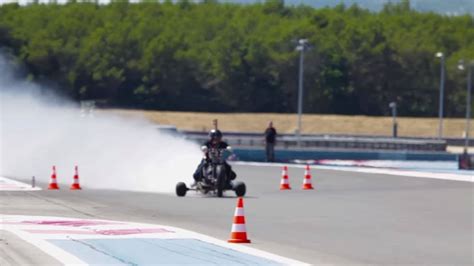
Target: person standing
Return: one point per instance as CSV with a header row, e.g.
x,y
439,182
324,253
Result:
x,y
270,139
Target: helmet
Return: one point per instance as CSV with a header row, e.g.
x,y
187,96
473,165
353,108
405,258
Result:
x,y
215,134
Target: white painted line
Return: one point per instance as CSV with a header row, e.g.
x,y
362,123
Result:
x,y
50,249
37,230
7,184
419,174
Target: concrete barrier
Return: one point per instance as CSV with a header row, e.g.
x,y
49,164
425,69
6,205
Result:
x,y
284,155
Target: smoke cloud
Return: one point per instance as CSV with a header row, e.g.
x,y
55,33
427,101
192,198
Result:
x,y
40,129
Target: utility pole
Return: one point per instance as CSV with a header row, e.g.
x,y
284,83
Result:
x,y
393,106
302,43
441,94
468,66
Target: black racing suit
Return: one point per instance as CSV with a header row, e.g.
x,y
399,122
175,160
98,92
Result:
x,y
220,145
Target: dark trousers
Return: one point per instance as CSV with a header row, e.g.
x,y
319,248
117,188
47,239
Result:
x,y
198,173
270,151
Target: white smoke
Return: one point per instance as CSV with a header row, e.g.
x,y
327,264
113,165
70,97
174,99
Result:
x,y
39,130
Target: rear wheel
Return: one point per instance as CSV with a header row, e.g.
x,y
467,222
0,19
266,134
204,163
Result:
x,y
181,189
240,189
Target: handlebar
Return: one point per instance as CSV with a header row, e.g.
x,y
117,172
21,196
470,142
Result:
x,y
206,149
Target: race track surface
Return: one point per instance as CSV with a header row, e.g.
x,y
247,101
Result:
x,y
350,218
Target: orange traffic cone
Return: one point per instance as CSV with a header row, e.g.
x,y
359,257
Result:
x,y
239,232
307,178
284,184
75,185
53,184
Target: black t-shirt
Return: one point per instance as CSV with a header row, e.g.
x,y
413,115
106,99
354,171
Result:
x,y
221,145
270,135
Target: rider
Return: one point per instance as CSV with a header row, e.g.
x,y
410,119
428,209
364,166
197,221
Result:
x,y
215,141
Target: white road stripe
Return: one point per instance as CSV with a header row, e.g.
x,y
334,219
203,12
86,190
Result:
x,y
420,174
54,251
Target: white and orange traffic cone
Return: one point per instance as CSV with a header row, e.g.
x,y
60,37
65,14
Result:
x,y
284,184
307,178
239,232
53,183
75,185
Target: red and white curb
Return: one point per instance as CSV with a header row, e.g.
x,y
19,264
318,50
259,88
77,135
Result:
x,y
7,184
37,230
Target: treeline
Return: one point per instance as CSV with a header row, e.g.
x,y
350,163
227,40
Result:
x,y
242,58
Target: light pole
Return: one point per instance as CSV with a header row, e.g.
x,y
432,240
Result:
x,y
441,94
468,66
393,106
302,44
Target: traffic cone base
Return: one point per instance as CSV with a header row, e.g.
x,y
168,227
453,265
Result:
x,y
307,186
75,187
239,238
53,186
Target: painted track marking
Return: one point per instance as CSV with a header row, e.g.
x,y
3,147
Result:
x,y
81,241
7,184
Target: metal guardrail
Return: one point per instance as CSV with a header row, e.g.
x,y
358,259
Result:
x,y
459,142
449,141
329,142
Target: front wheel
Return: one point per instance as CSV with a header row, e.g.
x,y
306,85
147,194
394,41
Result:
x,y
240,189
181,189
221,180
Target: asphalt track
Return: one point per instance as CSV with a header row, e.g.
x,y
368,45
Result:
x,y
350,218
